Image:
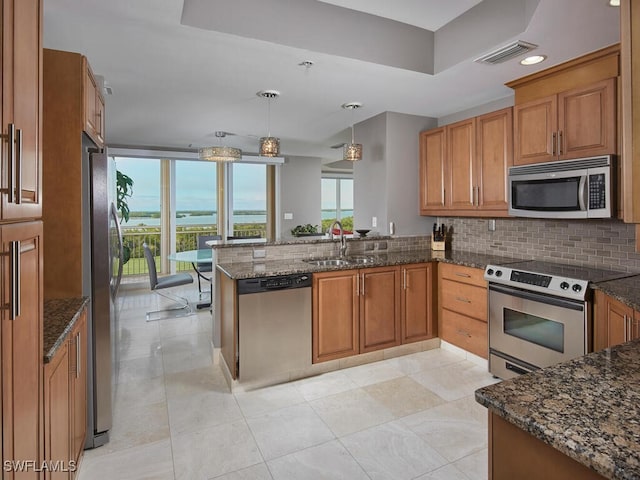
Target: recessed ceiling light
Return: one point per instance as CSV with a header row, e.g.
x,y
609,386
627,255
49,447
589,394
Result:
x,y
532,60
614,3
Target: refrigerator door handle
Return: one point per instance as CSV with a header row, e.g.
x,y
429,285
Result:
x,y
114,217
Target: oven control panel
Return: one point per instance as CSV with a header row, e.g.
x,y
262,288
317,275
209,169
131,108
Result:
x,y
535,281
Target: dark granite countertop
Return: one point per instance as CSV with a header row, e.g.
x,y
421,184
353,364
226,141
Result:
x,y
60,316
269,268
263,242
627,290
587,408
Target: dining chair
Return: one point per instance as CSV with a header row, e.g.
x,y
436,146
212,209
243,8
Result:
x,y
204,267
166,282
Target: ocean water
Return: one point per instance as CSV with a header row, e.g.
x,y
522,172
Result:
x,y
211,219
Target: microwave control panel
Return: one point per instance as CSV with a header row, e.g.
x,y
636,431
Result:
x,y
597,191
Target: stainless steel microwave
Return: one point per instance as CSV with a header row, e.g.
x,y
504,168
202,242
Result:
x,y
579,188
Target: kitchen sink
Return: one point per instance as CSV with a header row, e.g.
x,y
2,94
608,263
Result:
x,y
329,262
361,260
337,262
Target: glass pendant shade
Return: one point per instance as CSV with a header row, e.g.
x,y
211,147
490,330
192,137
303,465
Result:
x,y
269,147
352,152
219,154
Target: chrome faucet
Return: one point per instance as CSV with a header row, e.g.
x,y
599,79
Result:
x,y
343,240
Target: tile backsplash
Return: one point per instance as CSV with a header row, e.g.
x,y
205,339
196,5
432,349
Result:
x,y
597,243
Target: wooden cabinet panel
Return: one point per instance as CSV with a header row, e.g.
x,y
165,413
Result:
x,y
78,347
494,156
535,126
460,273
461,139
418,302
21,340
380,308
576,123
463,307
433,152
93,106
587,121
534,459
57,411
614,322
463,166
465,332
466,299
336,310
21,108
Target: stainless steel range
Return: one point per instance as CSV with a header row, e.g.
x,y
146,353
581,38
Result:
x,y
539,314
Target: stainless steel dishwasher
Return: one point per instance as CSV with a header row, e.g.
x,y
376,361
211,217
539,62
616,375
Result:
x,y
274,326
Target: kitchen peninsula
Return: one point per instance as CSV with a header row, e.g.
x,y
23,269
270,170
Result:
x,y
578,419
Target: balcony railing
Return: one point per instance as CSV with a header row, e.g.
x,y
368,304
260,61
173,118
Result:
x,y
186,239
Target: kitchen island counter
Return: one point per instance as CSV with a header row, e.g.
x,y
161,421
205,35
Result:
x,y
588,409
240,270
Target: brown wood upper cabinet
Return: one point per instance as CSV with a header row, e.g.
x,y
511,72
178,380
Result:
x,y
21,98
614,322
93,106
463,166
576,123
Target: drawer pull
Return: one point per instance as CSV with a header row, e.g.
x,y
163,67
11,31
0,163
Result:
x,y
465,275
464,300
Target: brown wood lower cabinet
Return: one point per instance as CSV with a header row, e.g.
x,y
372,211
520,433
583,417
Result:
x,y
379,308
614,322
418,302
463,308
65,403
359,311
336,311
514,454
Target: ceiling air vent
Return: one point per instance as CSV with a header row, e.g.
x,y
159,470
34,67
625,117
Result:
x,y
506,53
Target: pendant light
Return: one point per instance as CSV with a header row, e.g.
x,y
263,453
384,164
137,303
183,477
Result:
x,y
352,151
269,146
219,153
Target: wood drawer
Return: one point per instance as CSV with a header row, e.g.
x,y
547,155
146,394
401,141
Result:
x,y
466,299
465,332
459,273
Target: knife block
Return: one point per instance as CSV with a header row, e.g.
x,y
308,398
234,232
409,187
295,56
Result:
x,y
437,245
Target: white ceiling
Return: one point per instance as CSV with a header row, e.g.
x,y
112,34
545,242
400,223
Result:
x,y
174,85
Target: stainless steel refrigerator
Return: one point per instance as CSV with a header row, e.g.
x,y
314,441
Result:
x,y
102,272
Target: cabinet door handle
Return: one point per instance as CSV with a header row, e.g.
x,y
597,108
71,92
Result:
x,y
14,287
404,278
560,142
78,354
18,195
363,285
464,300
460,274
626,328
553,143
357,285
11,165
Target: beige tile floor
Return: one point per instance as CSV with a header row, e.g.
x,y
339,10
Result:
x,y
411,417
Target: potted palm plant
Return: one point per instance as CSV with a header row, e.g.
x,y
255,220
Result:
x,y
124,190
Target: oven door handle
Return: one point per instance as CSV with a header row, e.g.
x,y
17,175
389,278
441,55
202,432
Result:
x,y
538,297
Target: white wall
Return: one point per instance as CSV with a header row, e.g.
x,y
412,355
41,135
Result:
x,y
386,183
300,193
476,111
